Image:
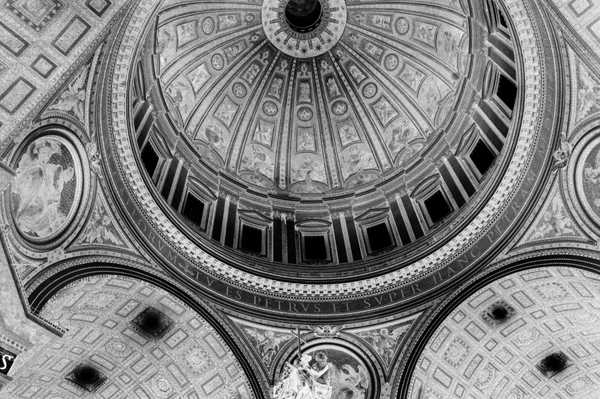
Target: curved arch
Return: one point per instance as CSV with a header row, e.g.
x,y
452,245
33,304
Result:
x,y
436,316
44,292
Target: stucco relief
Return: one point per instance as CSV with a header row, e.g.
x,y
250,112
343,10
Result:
x,y
47,187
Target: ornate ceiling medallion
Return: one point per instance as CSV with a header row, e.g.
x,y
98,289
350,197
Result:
x,y
319,39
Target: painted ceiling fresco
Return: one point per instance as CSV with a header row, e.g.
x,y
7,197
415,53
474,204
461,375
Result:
x,y
334,111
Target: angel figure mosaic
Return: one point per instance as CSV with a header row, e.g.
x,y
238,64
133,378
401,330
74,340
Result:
x,y
300,380
44,189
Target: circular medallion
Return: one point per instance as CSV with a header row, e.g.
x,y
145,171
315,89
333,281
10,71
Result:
x,y
315,41
270,108
208,26
370,90
391,62
339,108
402,26
305,114
342,362
239,90
47,188
218,62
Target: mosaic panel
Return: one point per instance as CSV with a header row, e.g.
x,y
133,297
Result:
x,y
43,65
15,95
71,34
35,13
12,41
98,7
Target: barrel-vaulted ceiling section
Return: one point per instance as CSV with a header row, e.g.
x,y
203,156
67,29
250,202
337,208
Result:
x,y
356,153
342,143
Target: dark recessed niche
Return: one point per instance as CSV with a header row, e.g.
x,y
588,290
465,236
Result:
x,y
437,206
502,20
87,377
379,237
482,157
193,209
152,323
507,92
150,159
315,248
498,313
251,239
553,364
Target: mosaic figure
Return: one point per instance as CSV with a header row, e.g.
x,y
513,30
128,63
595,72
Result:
x,y
226,112
306,140
588,94
425,33
356,160
182,97
251,73
308,168
332,88
385,341
258,161
348,133
276,86
555,222
304,93
385,112
186,33
263,133
40,199
72,100
214,136
356,73
198,77
401,134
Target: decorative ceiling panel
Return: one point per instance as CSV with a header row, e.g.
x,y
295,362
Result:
x,y
555,310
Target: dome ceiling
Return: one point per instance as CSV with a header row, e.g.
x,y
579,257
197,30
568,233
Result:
x,y
367,94
218,131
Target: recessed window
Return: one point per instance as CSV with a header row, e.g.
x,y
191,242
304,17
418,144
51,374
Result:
x,y
150,159
251,239
502,20
193,209
482,157
379,237
315,248
507,92
437,206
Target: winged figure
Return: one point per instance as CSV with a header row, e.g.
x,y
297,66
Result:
x,y
268,343
384,341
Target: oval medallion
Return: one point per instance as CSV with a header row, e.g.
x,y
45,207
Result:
x,y
208,26
47,188
391,62
402,26
305,114
270,108
370,90
339,108
239,90
218,62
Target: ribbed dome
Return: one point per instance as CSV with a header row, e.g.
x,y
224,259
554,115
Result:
x,y
365,95
353,136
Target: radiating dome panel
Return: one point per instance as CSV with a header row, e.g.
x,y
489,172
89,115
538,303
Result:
x,y
384,156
